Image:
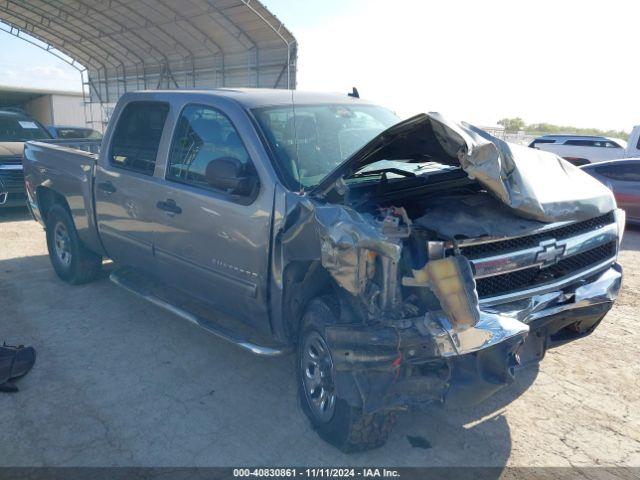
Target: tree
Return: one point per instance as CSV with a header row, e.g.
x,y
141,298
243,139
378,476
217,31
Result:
x,y
512,124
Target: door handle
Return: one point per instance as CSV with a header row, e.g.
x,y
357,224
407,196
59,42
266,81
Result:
x,y
107,187
169,206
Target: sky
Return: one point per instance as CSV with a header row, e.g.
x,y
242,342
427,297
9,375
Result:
x,y
566,62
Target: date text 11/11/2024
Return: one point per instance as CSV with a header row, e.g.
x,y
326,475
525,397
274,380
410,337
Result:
x,y
316,473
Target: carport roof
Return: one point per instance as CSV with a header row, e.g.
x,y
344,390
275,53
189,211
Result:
x,y
141,44
119,32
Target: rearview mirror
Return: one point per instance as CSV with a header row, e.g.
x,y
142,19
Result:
x,y
231,175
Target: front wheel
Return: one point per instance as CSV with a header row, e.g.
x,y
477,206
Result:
x,y
338,423
71,260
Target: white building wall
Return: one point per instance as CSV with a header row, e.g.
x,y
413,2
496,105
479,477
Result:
x,y
40,109
67,110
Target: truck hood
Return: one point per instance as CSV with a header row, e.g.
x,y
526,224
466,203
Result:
x,y
11,149
536,184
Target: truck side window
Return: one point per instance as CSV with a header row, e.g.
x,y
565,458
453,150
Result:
x,y
202,134
137,137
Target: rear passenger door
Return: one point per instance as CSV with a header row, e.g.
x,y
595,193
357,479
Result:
x,y
212,244
125,187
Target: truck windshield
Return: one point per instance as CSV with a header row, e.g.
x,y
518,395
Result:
x,y
20,129
310,142
72,133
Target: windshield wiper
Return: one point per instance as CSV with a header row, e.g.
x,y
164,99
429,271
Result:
x,y
371,173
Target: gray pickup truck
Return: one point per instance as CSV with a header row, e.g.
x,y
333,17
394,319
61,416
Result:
x,y
407,263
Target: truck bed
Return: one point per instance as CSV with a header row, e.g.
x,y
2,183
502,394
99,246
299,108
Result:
x,y
60,169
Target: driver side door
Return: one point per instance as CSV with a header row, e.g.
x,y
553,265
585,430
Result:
x,y
211,243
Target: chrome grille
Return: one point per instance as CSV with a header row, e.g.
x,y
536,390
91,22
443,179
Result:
x,y
513,244
509,269
10,160
11,180
531,277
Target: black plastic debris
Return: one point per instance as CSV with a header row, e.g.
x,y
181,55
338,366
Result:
x,y
15,362
419,442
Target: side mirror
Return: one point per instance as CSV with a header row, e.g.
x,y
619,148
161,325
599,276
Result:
x,y
231,175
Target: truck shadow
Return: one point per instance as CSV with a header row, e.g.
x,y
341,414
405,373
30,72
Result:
x,y
205,389
14,214
471,436
631,239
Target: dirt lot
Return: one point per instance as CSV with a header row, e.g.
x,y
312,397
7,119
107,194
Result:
x,y
120,382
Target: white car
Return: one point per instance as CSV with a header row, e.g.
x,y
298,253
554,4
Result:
x,y
582,149
633,150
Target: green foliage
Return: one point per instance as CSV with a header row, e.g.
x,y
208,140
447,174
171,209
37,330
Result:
x,y
517,124
512,124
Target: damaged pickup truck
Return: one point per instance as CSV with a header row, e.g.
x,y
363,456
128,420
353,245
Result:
x,y
408,263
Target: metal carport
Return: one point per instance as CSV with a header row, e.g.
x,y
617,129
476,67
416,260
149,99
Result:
x,y
124,45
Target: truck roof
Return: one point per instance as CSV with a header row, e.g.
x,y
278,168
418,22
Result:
x,y
263,97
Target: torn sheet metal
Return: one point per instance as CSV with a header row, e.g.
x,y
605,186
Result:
x,y
348,243
538,185
345,241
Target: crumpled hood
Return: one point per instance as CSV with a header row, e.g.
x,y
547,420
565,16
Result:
x,y
11,149
536,184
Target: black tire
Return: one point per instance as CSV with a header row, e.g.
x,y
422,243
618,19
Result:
x,y
348,428
79,265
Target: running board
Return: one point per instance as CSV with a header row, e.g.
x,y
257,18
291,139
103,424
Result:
x,y
120,279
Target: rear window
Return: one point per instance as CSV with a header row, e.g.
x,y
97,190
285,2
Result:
x,y
137,137
592,143
20,129
628,172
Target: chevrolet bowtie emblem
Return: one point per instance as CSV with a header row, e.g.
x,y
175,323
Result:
x,y
550,253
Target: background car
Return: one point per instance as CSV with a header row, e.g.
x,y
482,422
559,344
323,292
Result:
x,y
581,149
69,132
623,178
15,129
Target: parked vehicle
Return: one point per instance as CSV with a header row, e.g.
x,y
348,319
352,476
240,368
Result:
x,y
581,149
586,149
622,177
633,148
73,133
15,129
394,257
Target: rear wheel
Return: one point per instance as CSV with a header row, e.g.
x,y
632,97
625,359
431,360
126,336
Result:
x,y
71,260
338,423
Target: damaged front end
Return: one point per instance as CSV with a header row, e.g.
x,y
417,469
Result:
x,y
455,266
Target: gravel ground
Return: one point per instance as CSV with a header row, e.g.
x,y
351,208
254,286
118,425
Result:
x,y
120,382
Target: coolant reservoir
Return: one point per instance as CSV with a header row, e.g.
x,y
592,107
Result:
x,y
451,280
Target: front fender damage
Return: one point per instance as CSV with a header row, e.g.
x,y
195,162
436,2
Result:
x,y
388,351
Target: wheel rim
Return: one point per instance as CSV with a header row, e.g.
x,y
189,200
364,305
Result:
x,y
62,243
316,377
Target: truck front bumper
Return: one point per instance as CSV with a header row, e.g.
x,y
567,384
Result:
x,y
424,360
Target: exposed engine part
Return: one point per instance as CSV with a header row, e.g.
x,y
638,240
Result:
x,y
451,280
395,222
